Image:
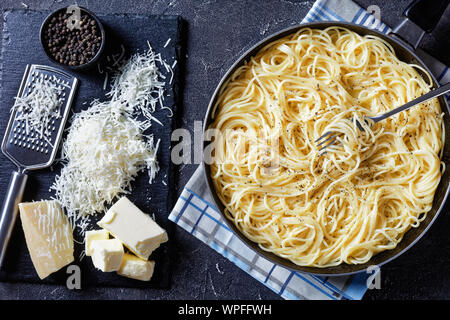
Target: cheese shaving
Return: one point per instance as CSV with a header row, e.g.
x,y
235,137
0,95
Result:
x,y
39,107
167,42
105,151
138,85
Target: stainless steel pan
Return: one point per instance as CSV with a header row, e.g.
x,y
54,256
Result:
x,y
420,17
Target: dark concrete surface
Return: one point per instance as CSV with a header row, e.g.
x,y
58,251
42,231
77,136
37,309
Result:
x,y
218,30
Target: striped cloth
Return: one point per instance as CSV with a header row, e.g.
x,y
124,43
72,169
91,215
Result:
x,y
196,213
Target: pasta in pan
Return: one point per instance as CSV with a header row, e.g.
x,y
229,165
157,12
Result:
x,y
363,195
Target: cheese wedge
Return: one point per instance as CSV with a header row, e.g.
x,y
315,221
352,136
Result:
x,y
107,254
94,235
48,234
136,268
137,230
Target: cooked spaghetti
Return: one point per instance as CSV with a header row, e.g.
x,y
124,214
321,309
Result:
x,y
369,189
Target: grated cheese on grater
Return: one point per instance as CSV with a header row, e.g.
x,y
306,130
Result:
x,y
38,107
106,148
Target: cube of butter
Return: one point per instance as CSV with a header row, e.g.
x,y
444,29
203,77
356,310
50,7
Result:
x,y
136,268
94,235
134,228
107,254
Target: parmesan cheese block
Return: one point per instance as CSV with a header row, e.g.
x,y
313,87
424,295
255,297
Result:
x,y
136,268
137,230
107,254
48,235
94,235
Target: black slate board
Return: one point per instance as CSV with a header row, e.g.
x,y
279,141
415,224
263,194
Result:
x,y
21,46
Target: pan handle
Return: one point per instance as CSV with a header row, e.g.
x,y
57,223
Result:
x,y
420,17
426,14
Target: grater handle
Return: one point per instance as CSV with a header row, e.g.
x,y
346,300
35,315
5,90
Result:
x,y
9,210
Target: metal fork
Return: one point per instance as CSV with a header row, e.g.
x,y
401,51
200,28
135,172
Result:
x,y
329,138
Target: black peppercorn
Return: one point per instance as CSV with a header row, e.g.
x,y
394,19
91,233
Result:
x,y
72,47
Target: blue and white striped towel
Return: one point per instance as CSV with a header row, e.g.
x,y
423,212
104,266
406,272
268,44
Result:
x,y
196,213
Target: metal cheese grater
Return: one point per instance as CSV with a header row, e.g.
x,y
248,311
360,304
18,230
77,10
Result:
x,y
28,149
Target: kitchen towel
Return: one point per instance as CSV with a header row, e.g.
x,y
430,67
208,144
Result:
x,y
196,213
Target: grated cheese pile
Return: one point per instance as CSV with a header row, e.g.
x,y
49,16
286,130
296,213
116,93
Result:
x,y
106,147
38,107
138,85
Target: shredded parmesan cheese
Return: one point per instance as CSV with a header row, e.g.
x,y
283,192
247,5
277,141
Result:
x,y
39,107
106,148
105,151
138,85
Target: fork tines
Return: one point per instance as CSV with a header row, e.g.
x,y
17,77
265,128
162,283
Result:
x,y
326,140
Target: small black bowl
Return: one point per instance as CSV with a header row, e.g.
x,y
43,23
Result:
x,y
89,63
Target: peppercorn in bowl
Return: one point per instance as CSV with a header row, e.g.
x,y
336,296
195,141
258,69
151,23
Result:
x,y
73,37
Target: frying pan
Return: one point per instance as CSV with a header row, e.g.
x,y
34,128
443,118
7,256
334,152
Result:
x,y
419,18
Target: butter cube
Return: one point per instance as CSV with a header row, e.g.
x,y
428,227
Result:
x,y
136,268
134,228
107,254
94,235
